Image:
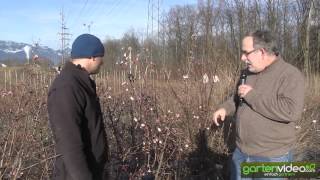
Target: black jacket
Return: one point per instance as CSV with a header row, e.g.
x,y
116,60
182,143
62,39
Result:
x,y
76,121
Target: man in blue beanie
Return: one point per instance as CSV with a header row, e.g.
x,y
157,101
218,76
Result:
x,y
75,115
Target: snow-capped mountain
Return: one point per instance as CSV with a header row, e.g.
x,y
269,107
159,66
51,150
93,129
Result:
x,y
21,52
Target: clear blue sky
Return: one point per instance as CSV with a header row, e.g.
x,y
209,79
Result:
x,y
39,20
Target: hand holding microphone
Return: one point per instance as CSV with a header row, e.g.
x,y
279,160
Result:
x,y
243,79
243,89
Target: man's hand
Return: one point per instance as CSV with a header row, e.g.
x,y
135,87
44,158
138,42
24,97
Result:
x,y
220,114
243,90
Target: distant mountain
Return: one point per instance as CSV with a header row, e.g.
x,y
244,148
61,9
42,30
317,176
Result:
x,y
17,52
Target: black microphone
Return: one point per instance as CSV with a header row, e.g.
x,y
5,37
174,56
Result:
x,y
243,78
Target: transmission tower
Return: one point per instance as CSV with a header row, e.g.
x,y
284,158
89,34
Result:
x,y
36,44
153,17
64,37
153,22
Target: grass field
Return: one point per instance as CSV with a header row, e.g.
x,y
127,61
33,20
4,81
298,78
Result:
x,y
155,124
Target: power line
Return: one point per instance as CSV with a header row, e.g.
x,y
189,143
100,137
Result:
x,y
93,9
90,10
113,7
80,13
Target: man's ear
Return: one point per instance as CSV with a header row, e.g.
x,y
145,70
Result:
x,y
263,51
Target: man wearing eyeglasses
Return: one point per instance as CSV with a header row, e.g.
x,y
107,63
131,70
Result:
x,y
271,102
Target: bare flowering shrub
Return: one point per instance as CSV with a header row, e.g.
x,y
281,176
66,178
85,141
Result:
x,y
154,127
197,97
26,144
145,136
308,132
157,128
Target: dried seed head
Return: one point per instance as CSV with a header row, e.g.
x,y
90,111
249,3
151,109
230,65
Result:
x,y
186,76
216,79
205,78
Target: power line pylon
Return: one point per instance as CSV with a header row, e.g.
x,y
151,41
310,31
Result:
x,y
153,22
64,37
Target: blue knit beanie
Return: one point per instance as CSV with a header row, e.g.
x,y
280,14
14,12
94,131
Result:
x,y
86,46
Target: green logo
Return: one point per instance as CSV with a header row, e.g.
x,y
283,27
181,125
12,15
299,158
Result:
x,y
280,169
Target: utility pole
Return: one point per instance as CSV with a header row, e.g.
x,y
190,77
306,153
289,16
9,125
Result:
x,y
153,21
63,37
88,26
36,45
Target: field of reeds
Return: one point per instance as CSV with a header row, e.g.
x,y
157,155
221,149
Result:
x,y
158,126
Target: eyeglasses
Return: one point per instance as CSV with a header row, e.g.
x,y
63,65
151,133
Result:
x,y
248,53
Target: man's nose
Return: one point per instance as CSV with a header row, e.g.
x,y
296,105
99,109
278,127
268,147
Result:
x,y
244,58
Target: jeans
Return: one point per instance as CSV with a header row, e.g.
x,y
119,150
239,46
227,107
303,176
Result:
x,y
238,157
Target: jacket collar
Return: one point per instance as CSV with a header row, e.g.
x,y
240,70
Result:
x,y
70,66
79,72
274,65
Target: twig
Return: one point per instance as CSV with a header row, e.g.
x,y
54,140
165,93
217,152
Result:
x,y
161,157
42,161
